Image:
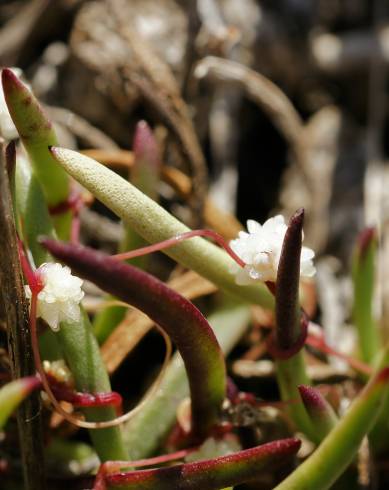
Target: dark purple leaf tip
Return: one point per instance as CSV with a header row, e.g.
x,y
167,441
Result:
x,y
291,325
145,146
312,398
182,321
11,84
383,376
8,77
365,239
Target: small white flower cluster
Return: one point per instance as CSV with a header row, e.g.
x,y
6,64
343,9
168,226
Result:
x,y
212,448
7,128
59,300
59,371
260,249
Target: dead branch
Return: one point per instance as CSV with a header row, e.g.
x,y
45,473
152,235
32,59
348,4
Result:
x,y
15,308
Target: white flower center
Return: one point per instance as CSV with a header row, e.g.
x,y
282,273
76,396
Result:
x,y
260,248
60,297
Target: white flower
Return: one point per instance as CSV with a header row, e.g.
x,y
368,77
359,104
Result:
x,y
7,128
59,299
59,371
260,249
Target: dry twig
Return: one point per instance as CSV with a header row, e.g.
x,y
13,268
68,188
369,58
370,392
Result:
x,y
15,308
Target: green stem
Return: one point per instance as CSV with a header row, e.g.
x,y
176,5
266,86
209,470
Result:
x,y
148,429
82,354
177,316
290,374
338,449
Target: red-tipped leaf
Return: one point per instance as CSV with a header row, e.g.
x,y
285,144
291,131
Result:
x,y
212,474
320,411
182,321
291,325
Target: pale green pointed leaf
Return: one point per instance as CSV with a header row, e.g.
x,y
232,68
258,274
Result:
x,y
155,224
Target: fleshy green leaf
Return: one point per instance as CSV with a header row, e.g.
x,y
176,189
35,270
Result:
x,y
83,356
13,393
149,428
145,177
336,452
212,474
182,321
31,207
37,134
363,274
75,342
319,410
291,324
155,224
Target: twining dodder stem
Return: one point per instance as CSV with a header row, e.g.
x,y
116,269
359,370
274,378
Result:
x,y
183,322
15,308
171,242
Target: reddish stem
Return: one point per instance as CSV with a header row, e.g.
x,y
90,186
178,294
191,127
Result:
x,y
40,369
73,203
75,227
230,470
321,345
171,242
96,399
32,277
49,391
112,466
185,324
78,399
318,342
250,399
